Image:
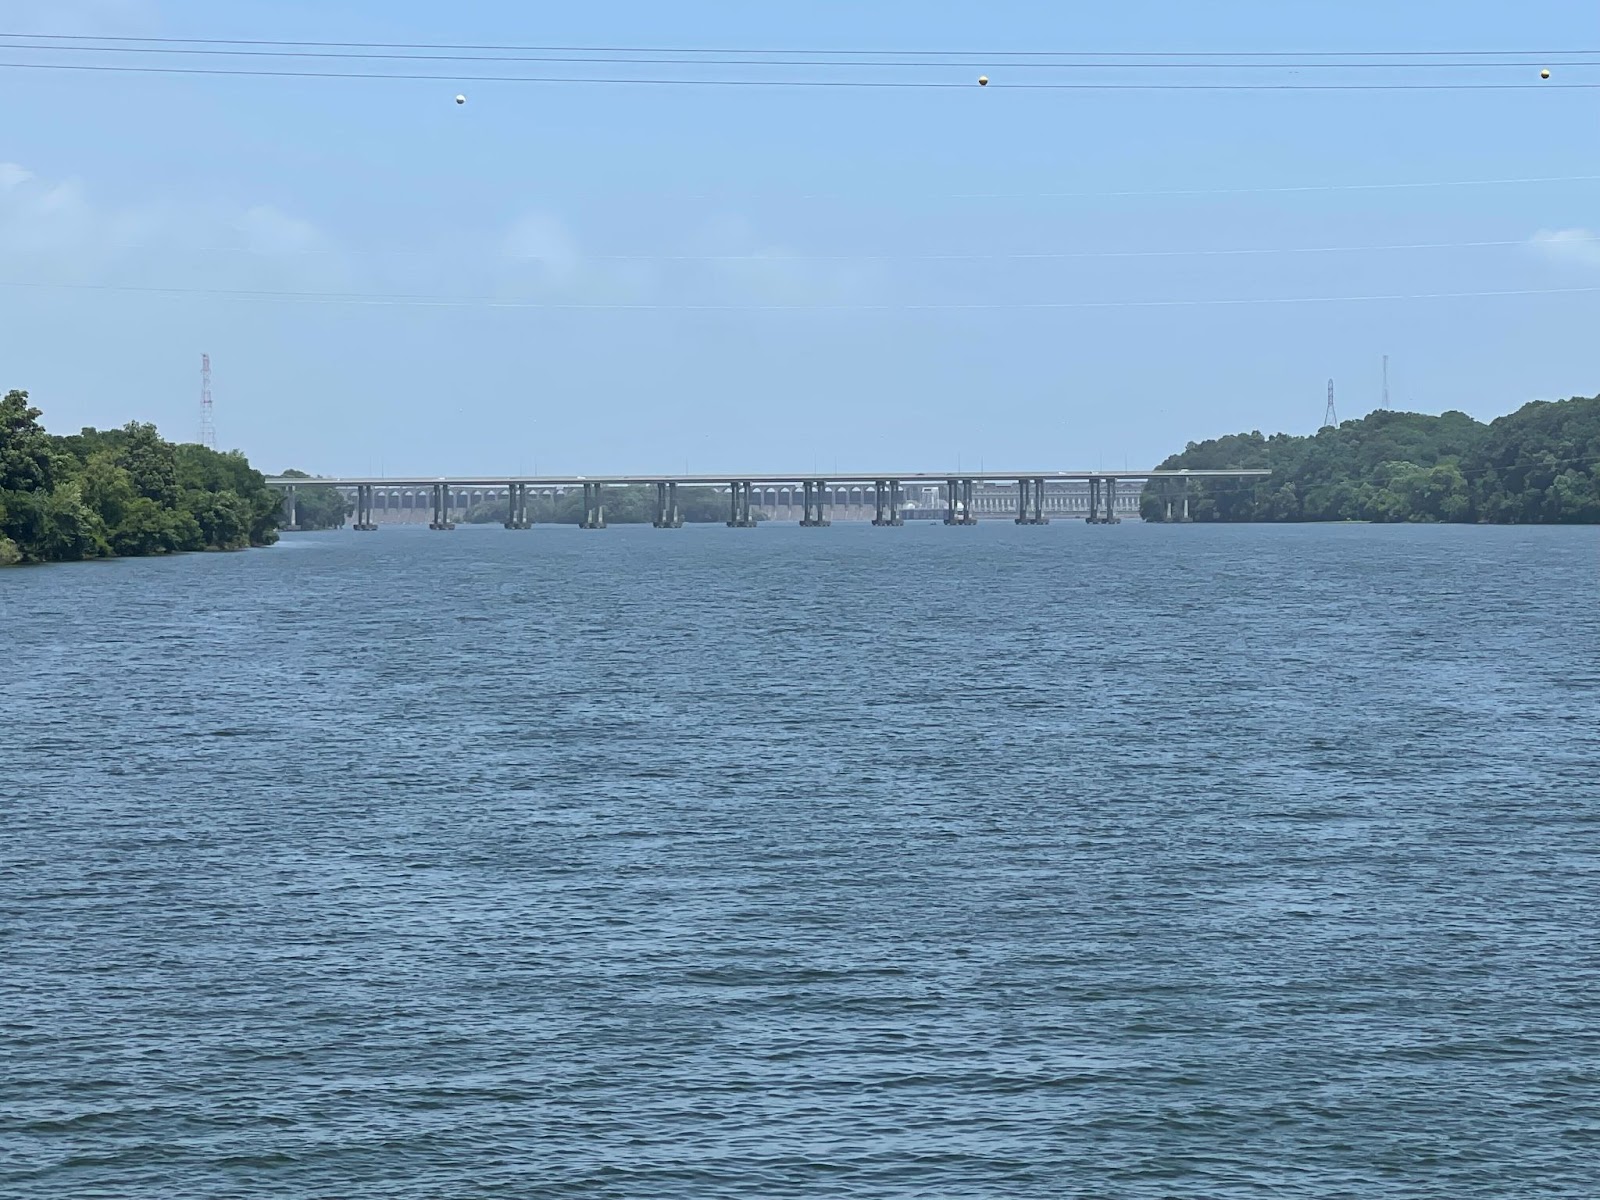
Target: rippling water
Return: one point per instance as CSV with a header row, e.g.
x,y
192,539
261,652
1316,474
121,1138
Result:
x,y
1132,862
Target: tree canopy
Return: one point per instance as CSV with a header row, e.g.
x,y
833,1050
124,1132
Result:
x,y
127,491
1540,464
318,507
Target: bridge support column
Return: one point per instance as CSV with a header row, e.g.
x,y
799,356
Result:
x,y
1094,501
291,510
667,514
1186,501
958,503
888,497
364,522
815,493
443,501
517,506
739,506
1030,502
1111,517
594,507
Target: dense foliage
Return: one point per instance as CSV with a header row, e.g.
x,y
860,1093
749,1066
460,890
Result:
x,y
624,506
121,492
319,507
1541,464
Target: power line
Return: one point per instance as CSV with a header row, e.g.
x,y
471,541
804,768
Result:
x,y
424,301
1000,256
678,59
990,54
803,83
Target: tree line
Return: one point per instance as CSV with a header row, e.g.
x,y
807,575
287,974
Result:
x,y
104,492
1538,465
627,505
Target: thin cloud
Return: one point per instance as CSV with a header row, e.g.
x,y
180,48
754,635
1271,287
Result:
x,y
1581,246
78,16
54,231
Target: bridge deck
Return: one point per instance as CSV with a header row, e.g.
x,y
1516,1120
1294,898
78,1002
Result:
x,y
722,480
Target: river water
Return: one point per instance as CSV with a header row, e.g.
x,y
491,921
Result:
x,y
1137,862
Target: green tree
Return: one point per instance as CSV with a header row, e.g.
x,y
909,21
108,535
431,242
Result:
x,y
152,464
27,457
222,519
121,491
320,507
106,488
1540,463
146,528
71,530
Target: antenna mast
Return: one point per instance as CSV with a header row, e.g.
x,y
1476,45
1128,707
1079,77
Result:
x,y
1329,416
208,427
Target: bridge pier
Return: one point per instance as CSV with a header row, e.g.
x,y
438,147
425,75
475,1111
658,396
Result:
x,y
886,494
364,521
442,502
958,503
291,511
739,506
517,507
668,515
1030,502
815,493
1177,509
594,507
1103,502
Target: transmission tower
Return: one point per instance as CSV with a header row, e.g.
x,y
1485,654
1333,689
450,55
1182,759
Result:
x,y
1385,381
208,428
1330,417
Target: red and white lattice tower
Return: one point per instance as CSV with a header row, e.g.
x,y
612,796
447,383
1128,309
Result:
x,y
208,427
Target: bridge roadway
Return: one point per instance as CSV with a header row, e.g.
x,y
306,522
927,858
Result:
x,y
1095,492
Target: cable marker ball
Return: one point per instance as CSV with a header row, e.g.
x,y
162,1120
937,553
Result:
x,y
461,99
1545,74
983,81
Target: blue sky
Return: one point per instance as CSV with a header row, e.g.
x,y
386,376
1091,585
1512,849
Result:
x,y
797,217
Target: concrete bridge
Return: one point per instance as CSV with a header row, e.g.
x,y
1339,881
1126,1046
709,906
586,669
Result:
x,y
886,499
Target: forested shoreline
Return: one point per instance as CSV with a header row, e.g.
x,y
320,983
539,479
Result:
x,y
129,492
103,493
1538,465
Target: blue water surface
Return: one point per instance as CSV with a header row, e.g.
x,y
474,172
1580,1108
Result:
x,y
1145,861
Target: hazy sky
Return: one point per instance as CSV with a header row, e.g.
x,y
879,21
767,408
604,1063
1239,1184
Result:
x,y
839,344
